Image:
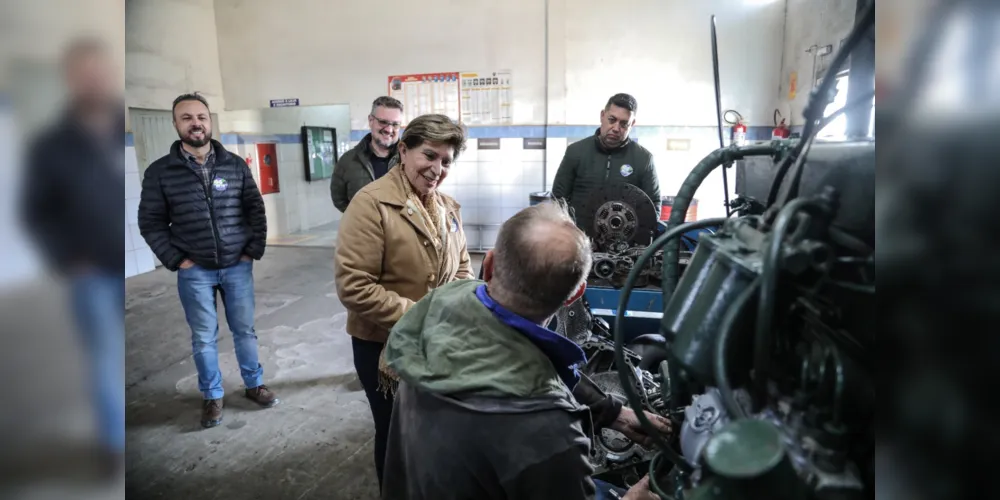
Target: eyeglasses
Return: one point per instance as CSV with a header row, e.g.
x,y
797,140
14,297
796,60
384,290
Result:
x,y
385,123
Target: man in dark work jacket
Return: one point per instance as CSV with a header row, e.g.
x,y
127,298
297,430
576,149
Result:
x,y
72,208
487,405
372,157
203,216
607,157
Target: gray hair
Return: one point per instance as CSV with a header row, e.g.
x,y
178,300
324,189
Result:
x,y
386,102
540,259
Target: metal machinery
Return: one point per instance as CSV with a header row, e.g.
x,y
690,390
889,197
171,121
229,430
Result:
x,y
764,351
621,222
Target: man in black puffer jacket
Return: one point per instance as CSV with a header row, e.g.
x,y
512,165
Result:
x,y
203,216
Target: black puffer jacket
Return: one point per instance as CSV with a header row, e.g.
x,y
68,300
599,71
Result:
x,y
181,219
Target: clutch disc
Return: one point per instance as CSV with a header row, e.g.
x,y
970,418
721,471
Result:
x,y
618,216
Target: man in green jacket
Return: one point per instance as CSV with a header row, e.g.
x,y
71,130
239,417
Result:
x,y
487,404
372,157
607,157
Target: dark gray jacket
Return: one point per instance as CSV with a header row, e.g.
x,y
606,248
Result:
x,y
70,205
504,448
353,172
484,409
587,166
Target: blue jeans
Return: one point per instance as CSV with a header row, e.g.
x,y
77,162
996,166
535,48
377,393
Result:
x,y
605,488
98,302
196,287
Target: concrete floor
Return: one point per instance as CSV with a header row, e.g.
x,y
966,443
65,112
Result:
x,y
317,444
319,236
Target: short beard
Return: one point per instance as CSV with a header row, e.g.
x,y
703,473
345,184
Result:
x,y
197,144
604,142
383,144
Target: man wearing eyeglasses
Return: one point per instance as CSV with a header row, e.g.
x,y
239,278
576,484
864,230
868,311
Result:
x,y
372,157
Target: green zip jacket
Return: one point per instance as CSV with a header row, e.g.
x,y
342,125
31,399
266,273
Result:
x,y
587,167
481,411
353,171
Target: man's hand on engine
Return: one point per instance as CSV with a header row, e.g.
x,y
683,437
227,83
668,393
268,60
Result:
x,y
628,424
641,491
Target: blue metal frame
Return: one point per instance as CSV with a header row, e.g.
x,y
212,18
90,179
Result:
x,y
642,315
645,305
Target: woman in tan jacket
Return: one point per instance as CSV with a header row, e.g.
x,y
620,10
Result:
x,y
399,239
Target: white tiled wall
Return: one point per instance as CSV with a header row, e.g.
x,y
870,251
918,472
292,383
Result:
x,y
492,185
138,257
300,205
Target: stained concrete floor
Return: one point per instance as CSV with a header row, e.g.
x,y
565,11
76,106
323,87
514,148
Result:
x,y
317,444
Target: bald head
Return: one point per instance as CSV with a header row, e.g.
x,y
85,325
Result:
x,y
540,260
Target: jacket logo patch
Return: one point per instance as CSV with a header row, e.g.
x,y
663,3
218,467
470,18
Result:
x,y
626,170
220,184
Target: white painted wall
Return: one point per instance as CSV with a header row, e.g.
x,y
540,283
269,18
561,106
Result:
x,y
40,30
171,48
808,23
341,52
300,205
660,51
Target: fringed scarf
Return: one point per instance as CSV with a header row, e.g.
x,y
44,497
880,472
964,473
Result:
x,y
432,215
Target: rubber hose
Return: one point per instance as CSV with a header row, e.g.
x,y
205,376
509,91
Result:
x,y
671,255
726,329
813,112
628,387
770,273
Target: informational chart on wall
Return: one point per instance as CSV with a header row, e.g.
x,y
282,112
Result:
x,y
474,98
487,98
426,93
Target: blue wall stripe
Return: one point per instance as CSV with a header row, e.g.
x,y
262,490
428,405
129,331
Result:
x,y
129,140
754,133
231,139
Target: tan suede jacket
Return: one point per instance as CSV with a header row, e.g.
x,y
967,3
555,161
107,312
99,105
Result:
x,y
386,260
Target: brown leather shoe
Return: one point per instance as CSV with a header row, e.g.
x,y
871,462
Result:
x,y
211,413
262,396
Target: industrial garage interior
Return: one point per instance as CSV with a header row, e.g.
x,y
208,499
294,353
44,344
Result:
x,y
331,60
746,90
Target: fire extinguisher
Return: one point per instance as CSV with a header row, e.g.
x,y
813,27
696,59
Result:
x,y
738,132
780,131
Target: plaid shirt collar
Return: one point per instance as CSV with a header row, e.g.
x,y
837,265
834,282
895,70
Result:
x,y
205,169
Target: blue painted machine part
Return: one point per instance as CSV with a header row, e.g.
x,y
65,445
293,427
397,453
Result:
x,y
645,306
645,309
690,238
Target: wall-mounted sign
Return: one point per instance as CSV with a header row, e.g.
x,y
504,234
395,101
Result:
x,y
534,143
678,144
488,143
284,103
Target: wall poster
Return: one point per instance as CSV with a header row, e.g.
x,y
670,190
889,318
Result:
x,y
426,93
487,98
474,98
